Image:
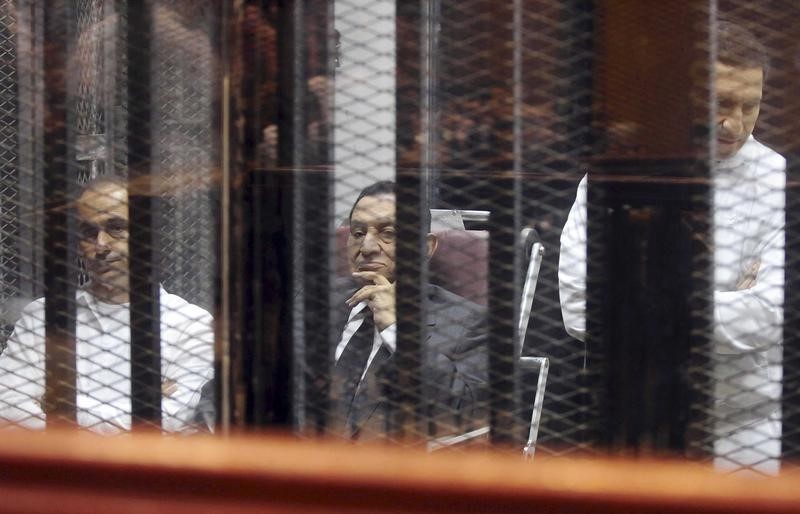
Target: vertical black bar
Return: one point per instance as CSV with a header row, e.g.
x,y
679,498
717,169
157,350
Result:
x,y
236,129
249,339
649,280
278,217
655,314
221,195
574,111
790,399
781,85
406,420
315,219
558,75
576,107
504,229
59,243
261,323
144,294
505,265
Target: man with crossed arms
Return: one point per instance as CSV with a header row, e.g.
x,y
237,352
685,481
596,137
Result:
x,y
748,249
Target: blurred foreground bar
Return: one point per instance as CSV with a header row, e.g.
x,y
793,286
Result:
x,y
59,242
78,472
648,315
144,283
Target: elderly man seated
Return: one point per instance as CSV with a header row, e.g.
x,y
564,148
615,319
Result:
x,y
454,366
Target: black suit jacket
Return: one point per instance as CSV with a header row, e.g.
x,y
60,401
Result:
x,y
454,370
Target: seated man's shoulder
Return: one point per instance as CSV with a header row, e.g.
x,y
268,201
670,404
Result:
x,y
28,319
458,327
177,307
457,306
35,307
763,157
29,314
187,335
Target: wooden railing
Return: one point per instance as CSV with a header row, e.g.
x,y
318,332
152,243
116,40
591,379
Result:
x,y
72,473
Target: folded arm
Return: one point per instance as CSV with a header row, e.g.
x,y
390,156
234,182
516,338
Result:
x,y
751,318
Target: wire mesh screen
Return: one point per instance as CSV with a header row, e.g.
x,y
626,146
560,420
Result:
x,y
9,190
556,46
407,352
182,88
754,382
72,217
498,115
537,225
475,116
364,117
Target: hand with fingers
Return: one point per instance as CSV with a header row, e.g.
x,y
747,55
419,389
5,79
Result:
x,y
748,280
379,294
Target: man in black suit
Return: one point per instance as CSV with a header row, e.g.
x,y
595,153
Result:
x,y
454,367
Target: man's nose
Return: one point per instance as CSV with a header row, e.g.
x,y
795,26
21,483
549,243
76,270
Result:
x,y
370,244
103,240
732,122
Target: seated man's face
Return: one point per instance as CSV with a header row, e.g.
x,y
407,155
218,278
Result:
x,y
103,233
738,104
372,239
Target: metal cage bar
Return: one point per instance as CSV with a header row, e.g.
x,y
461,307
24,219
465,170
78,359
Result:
x,y
144,283
59,242
647,319
790,400
313,208
411,197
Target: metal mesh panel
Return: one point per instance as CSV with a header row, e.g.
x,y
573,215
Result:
x,y
505,109
89,97
100,350
364,118
758,433
429,381
451,117
183,147
555,117
9,195
670,265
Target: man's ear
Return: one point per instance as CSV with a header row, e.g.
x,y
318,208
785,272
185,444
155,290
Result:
x,y
433,244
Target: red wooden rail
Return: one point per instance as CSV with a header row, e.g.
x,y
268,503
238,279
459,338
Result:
x,y
71,473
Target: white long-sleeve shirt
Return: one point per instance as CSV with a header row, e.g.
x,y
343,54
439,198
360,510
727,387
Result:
x,y
103,364
748,227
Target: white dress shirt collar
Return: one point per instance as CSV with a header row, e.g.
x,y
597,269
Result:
x,y
386,337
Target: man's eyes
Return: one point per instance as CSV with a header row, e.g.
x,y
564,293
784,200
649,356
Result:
x,y
114,229
727,105
88,231
384,233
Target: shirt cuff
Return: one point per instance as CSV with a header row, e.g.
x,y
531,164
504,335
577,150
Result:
x,y
389,336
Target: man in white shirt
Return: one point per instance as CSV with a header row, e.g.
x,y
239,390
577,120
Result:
x,y
454,352
103,334
748,181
